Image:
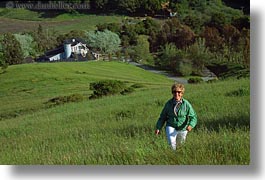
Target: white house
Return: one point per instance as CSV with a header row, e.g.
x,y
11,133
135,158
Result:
x,y
71,50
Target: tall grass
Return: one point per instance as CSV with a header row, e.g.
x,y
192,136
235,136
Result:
x,y
119,130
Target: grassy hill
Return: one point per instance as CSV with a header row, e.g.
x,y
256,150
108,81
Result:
x,y
22,20
116,129
34,84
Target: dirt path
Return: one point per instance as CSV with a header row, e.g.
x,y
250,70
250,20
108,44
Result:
x,y
207,74
177,79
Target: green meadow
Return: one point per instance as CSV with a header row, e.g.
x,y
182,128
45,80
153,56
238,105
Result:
x,y
22,20
118,129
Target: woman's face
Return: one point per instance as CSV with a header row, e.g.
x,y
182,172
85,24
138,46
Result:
x,y
177,94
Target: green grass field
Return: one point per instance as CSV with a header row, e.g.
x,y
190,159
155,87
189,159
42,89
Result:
x,y
22,20
116,130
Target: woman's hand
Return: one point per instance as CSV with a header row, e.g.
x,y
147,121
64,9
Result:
x,y
189,128
157,132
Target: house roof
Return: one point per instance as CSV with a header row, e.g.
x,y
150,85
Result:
x,y
58,50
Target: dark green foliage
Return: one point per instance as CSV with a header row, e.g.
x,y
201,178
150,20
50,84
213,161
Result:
x,y
45,39
111,87
242,22
71,35
106,88
12,52
169,56
129,34
147,26
185,68
226,70
65,99
194,21
142,51
3,64
195,80
113,27
218,20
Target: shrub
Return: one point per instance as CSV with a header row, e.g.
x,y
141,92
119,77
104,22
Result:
x,y
185,68
65,99
106,88
195,80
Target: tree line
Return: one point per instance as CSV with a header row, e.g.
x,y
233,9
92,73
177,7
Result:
x,y
202,32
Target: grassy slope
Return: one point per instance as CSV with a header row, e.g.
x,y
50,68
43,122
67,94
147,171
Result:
x,y
34,84
19,20
116,129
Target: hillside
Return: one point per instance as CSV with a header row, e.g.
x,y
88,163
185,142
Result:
x,y
26,87
118,129
22,20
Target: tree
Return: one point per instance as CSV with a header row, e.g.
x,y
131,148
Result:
x,y
218,20
99,4
199,55
245,46
151,6
175,32
129,6
213,39
71,35
195,21
242,22
105,41
3,64
147,26
141,50
231,35
28,46
184,37
45,40
113,27
129,31
12,52
168,56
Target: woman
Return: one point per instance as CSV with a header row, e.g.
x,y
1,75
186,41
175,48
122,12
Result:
x,y
179,116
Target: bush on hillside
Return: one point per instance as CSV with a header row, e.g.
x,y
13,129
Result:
x,y
106,88
65,99
195,80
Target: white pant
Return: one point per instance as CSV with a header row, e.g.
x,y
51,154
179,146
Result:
x,y
175,137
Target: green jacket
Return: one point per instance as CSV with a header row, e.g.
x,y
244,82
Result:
x,y
186,116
